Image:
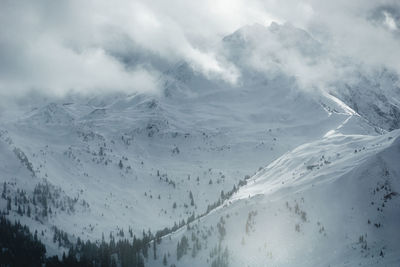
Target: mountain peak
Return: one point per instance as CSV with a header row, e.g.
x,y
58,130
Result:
x,y
285,35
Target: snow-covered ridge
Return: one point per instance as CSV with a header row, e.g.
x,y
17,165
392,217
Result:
x,y
331,202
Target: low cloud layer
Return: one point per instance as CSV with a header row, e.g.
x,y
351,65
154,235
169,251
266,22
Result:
x,y
102,46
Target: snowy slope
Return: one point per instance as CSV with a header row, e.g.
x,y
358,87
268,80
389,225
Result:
x,y
168,147
333,202
97,165
373,92
165,149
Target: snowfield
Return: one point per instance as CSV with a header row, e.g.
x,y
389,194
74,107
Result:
x,y
332,202
274,173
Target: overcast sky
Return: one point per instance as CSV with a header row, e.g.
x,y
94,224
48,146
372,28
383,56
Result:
x,y
101,46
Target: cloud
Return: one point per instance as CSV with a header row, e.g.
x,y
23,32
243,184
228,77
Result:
x,y
353,37
44,49
63,46
92,46
46,65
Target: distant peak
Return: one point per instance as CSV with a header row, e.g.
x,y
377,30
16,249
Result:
x,y
274,26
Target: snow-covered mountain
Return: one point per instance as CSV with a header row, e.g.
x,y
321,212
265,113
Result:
x,y
332,202
114,164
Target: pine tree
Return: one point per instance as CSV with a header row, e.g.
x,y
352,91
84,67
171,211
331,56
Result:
x,y
178,251
19,246
182,247
155,249
19,210
113,263
191,198
194,251
165,260
8,203
3,194
44,212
